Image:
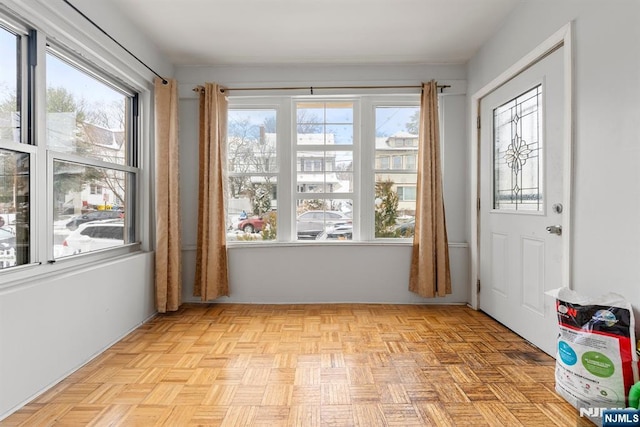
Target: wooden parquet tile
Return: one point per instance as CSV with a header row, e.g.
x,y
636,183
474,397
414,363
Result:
x,y
311,365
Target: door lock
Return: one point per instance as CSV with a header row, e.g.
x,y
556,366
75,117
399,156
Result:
x,y
555,229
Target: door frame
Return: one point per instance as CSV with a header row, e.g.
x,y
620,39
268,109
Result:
x,y
561,38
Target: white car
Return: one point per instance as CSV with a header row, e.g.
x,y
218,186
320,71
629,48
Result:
x,y
95,235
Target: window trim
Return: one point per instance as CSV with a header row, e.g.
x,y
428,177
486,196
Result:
x,y
363,164
132,143
280,105
374,102
353,148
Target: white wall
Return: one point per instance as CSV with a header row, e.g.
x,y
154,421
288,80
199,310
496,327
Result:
x,y
52,326
606,205
351,272
55,318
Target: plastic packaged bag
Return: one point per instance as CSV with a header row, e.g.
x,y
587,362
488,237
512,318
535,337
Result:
x,y
596,359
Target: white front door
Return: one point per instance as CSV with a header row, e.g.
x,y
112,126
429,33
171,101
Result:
x,y
521,189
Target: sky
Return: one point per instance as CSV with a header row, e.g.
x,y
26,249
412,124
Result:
x,y
389,120
58,74
78,83
7,63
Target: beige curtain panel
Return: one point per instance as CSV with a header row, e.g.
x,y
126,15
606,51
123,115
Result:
x,y
211,257
168,240
430,275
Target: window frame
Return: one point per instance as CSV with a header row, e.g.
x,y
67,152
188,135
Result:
x,y
410,100
354,149
36,40
364,167
25,144
281,107
129,168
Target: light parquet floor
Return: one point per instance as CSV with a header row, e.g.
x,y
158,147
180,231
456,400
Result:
x,y
311,365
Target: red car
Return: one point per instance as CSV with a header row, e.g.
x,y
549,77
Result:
x,y
251,225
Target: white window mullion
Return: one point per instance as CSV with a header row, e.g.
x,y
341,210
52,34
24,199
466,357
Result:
x,y
285,159
357,193
87,161
306,152
42,203
366,181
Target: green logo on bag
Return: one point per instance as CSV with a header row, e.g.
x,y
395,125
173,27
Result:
x,y
598,364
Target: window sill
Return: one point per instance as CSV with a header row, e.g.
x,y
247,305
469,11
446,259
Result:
x,y
300,244
314,243
16,276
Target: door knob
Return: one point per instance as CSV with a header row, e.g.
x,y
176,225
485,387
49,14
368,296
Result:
x,y
555,229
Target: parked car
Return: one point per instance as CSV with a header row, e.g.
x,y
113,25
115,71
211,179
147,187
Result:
x,y
405,229
7,248
251,225
311,223
7,239
95,235
339,232
93,216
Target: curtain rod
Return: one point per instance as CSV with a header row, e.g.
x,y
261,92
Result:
x,y
164,81
312,88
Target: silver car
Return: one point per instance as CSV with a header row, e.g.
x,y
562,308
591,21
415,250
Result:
x,y
311,223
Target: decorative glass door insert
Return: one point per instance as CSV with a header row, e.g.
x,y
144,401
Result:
x,y
517,158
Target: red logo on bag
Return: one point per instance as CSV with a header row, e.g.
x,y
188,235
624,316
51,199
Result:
x,y
567,311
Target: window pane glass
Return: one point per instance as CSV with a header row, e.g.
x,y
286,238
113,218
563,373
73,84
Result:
x,y
84,115
251,141
406,194
382,162
325,171
310,115
398,122
396,162
83,221
395,205
252,214
339,112
396,155
14,208
410,161
252,183
517,151
342,134
322,219
324,123
9,83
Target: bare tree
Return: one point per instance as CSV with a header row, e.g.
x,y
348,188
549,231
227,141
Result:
x,y
308,122
251,150
413,125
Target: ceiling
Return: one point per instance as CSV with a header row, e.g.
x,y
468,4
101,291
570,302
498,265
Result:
x,y
225,32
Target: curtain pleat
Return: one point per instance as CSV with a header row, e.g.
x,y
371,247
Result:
x,y
168,256
211,279
430,274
